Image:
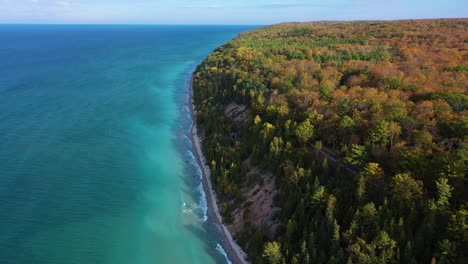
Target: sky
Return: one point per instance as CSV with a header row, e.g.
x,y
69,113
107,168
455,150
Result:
x,y
251,12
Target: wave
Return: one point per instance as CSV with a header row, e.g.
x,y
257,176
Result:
x,y
187,109
189,141
203,203
195,210
201,208
194,162
221,250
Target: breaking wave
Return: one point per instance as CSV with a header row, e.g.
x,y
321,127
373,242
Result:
x,y
221,250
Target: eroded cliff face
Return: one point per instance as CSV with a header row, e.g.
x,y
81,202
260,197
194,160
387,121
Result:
x,y
258,188
258,210
236,112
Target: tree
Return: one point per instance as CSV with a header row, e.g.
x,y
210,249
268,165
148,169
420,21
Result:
x,y
361,188
331,207
395,131
276,146
406,189
272,253
311,248
290,229
367,221
380,250
361,252
444,192
385,96
357,155
317,195
384,247
380,133
447,251
255,245
458,226
304,131
335,237
257,120
372,171
304,254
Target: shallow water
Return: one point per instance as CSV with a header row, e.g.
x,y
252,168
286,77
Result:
x,y
95,156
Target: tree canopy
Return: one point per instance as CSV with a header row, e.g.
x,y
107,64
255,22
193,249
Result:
x,y
363,124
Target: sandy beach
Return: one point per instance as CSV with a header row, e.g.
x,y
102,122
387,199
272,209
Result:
x,y
235,254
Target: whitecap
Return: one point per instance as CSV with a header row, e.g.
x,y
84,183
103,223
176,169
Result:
x,y
197,210
203,203
188,139
221,250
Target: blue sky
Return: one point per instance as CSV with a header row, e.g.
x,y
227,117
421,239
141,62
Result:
x,y
257,12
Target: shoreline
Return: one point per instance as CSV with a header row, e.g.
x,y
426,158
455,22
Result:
x,y
235,254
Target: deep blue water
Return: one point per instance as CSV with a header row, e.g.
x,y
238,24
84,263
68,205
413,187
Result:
x,y
95,158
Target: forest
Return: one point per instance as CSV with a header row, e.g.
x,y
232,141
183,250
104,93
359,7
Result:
x,y
364,126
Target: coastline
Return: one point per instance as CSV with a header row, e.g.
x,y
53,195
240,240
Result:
x,y
235,254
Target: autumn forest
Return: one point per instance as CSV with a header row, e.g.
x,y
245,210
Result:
x,y
364,126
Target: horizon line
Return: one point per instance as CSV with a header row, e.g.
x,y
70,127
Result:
x,y
136,24
221,24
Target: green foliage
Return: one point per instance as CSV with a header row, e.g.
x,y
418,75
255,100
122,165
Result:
x,y
458,226
317,195
406,189
304,131
444,192
457,101
357,155
372,171
380,133
272,253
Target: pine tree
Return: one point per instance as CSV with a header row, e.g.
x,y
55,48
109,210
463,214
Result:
x,y
444,192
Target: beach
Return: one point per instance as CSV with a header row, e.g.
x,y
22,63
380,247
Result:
x,y
235,254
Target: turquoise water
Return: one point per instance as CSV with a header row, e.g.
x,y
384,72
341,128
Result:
x,y
95,158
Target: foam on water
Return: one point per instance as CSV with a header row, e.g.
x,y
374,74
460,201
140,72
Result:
x,y
194,162
188,140
187,109
201,207
197,210
221,250
203,203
